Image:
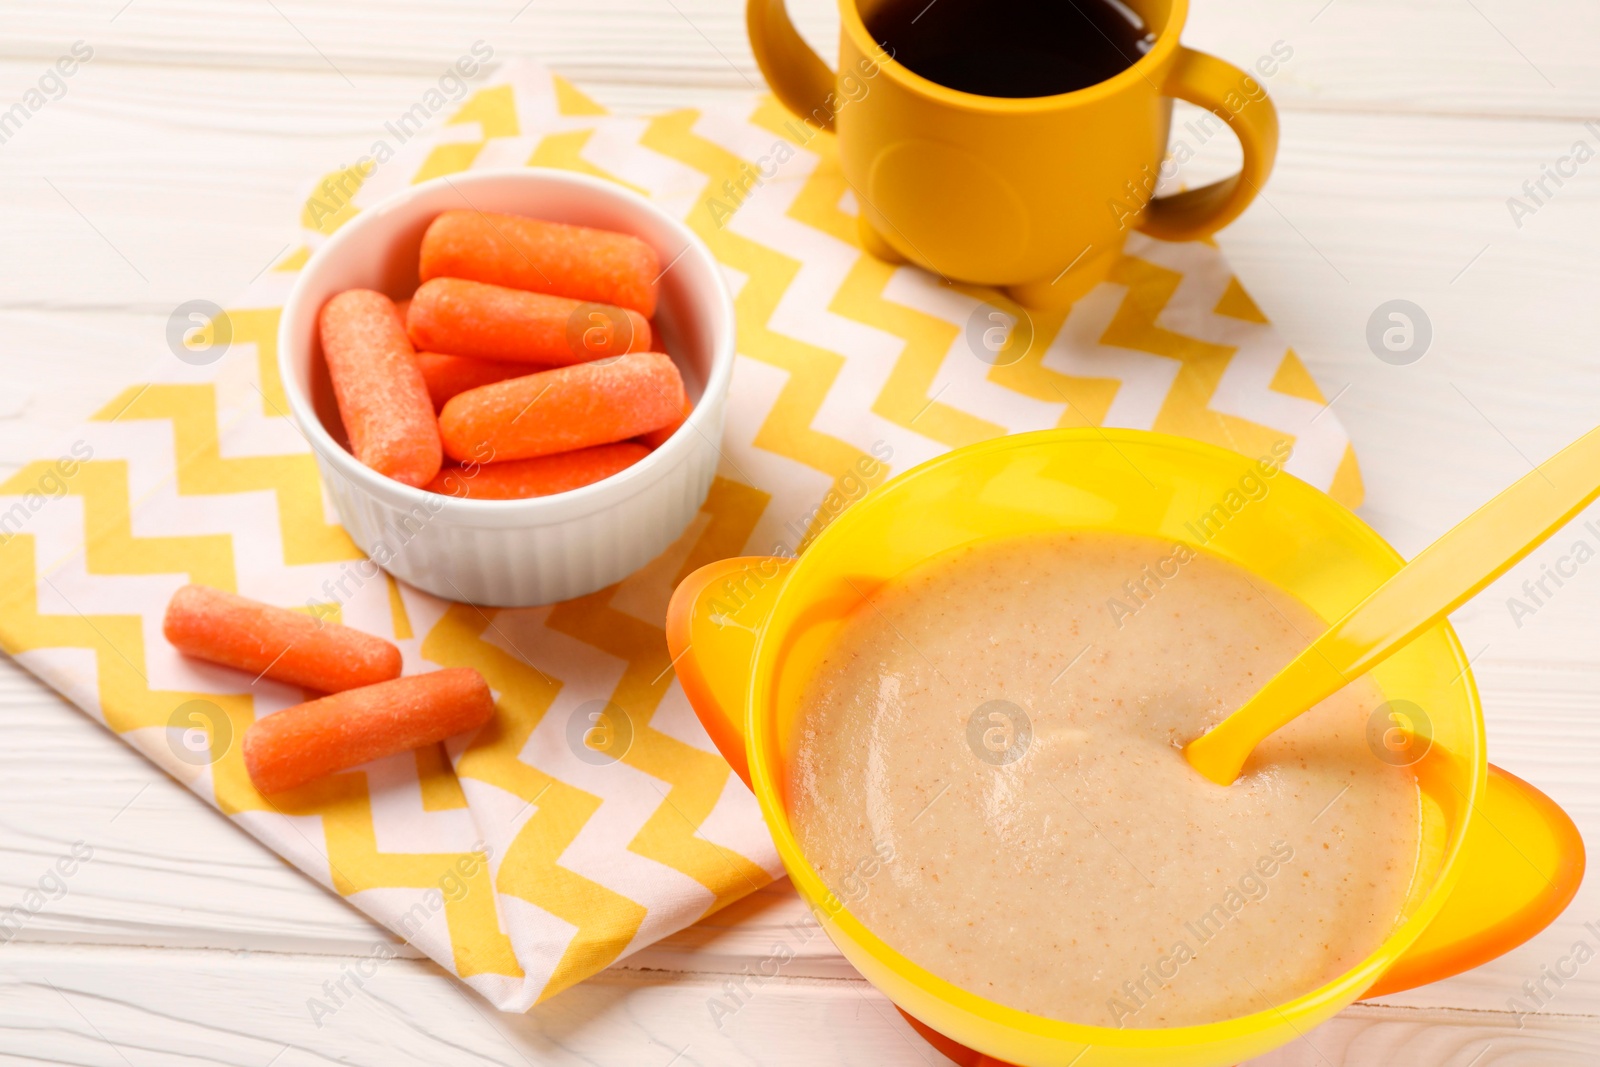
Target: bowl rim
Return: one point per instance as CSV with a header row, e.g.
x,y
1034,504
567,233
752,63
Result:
x,y
532,511
1331,996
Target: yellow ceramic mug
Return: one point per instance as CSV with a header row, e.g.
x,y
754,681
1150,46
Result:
x,y
1036,194
1498,860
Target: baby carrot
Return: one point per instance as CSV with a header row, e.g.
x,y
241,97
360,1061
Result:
x,y
305,742
656,438
382,397
540,476
277,643
563,409
445,376
544,257
492,322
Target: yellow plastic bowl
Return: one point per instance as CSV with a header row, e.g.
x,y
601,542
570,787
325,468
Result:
x,y
747,634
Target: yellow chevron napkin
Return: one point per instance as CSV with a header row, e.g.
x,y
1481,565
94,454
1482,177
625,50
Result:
x,y
520,859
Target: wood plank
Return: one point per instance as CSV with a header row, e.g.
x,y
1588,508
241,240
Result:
x,y
63,1003
1487,57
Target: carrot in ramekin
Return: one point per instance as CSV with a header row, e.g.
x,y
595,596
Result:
x,y
382,398
466,318
563,409
540,476
543,257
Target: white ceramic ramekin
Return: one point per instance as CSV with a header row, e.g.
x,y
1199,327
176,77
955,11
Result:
x,y
517,552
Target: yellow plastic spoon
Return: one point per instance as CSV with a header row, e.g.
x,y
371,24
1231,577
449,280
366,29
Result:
x,y
1447,573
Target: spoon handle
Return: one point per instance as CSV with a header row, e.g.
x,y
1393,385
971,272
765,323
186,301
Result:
x,y
1479,549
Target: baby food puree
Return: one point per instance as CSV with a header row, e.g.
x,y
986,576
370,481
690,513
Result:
x,y
1000,730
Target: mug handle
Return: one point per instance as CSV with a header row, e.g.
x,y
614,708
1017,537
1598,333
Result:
x,y
798,76
713,621
1220,88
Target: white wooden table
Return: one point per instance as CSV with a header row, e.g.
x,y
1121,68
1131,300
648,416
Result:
x,y
171,170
